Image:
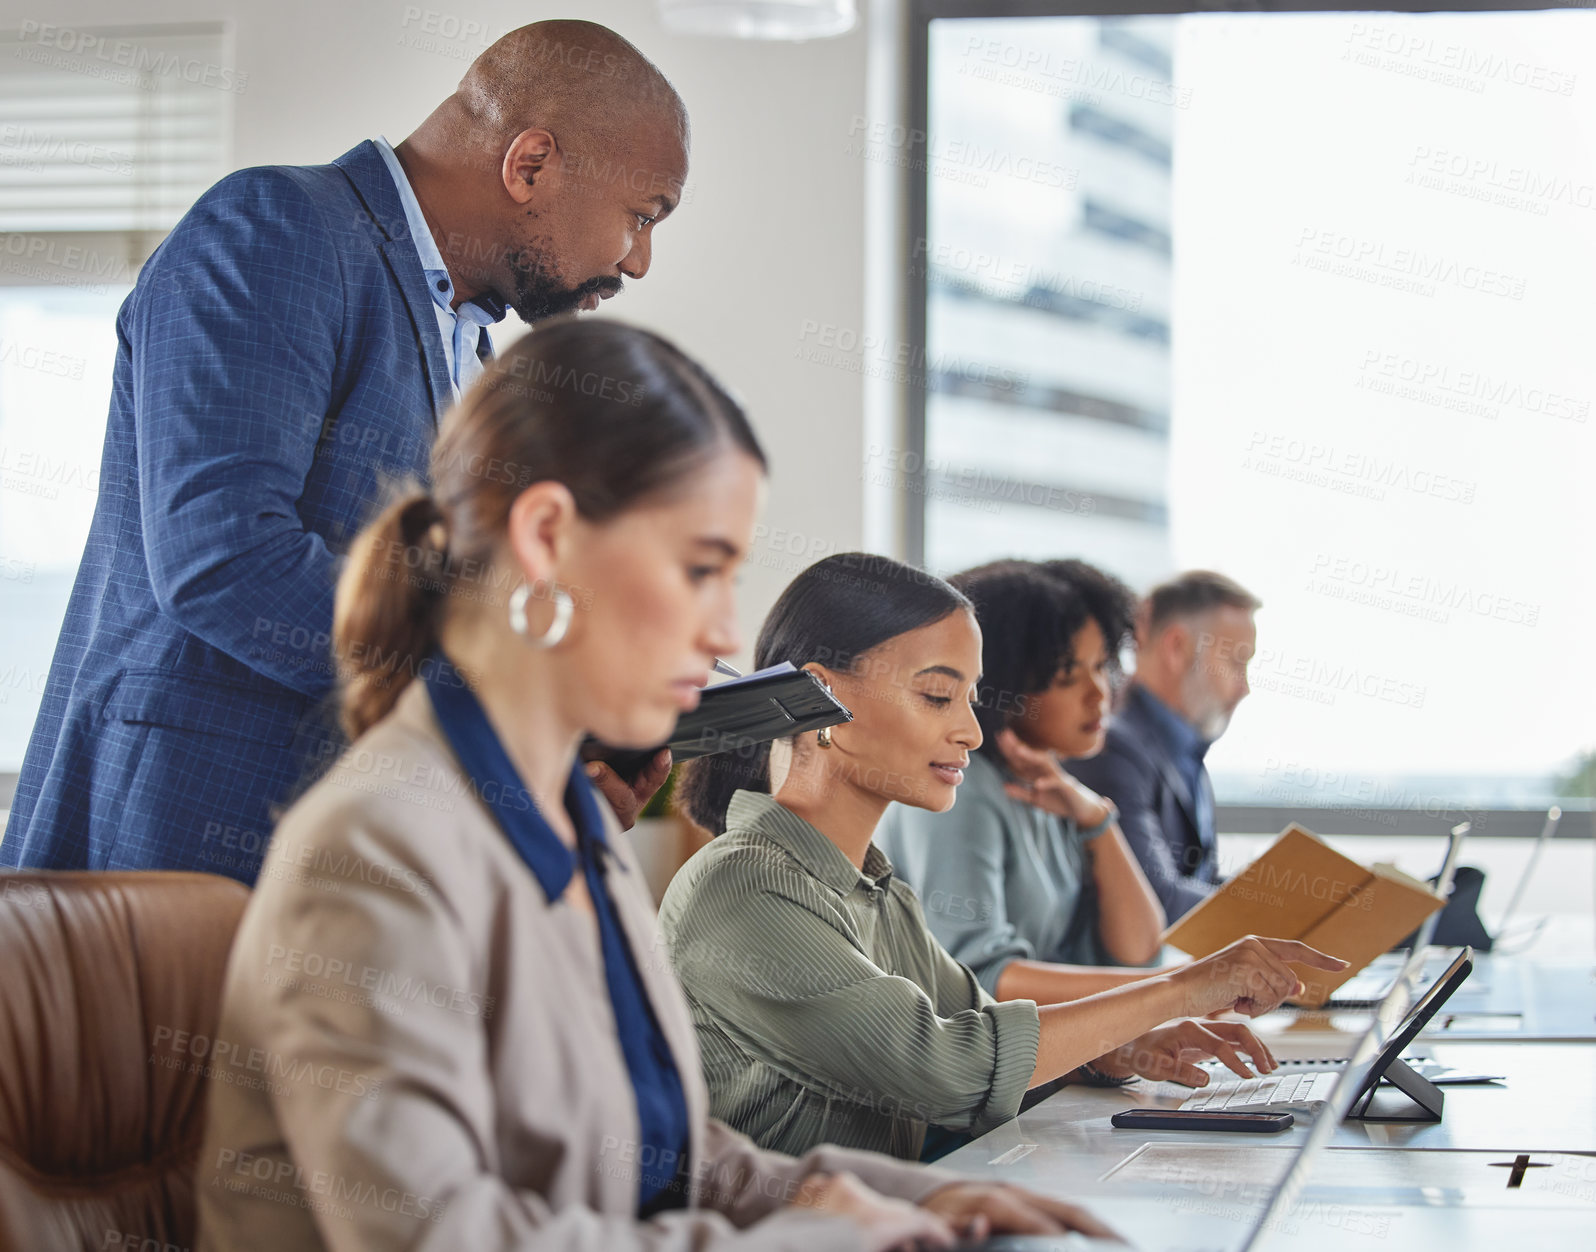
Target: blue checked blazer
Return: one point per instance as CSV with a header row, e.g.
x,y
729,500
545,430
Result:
x,y
278,364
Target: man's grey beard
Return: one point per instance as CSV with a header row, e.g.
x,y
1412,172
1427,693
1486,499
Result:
x,y
1204,713
1215,724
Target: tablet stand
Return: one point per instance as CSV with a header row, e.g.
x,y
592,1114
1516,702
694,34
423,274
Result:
x,y
1427,1099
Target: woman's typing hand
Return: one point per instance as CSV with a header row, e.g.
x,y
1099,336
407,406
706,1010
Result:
x,y
1168,1053
887,1223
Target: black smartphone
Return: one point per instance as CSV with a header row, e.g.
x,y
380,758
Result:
x,y
1202,1119
627,762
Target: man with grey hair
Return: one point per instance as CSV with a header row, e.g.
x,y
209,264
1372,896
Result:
x,y
1195,636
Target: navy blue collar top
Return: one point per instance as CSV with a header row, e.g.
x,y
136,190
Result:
x,y
1187,749
1180,736
661,1103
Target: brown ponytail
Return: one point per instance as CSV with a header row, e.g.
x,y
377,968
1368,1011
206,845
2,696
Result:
x,y
386,611
615,413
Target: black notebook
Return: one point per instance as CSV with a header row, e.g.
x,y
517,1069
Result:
x,y
769,704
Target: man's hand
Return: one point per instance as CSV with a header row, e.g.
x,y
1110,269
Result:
x,y
978,1209
628,800
1044,783
1167,1052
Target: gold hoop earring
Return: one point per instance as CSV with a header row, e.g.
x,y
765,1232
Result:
x,y
823,735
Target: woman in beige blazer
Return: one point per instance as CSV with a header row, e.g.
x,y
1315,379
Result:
x,y
450,1020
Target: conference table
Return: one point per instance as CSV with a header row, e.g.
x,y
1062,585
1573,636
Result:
x,y
1510,1164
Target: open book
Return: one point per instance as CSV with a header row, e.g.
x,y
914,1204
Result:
x,y
1301,888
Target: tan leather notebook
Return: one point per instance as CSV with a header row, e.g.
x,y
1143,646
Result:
x,y
1301,888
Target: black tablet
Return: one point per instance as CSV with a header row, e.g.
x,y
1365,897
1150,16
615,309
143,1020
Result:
x,y
735,715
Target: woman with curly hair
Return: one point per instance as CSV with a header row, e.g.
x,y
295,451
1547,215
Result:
x,y
1028,880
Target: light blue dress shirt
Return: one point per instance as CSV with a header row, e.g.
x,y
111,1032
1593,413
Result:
x,y
461,328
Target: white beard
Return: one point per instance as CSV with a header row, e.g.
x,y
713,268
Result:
x,y
1208,717
1214,725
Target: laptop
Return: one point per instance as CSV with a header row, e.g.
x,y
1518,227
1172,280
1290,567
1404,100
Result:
x,y
1368,988
1306,1090
1381,1044
1349,1084
1553,816
1293,1089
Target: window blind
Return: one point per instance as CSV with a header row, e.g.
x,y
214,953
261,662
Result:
x,y
112,129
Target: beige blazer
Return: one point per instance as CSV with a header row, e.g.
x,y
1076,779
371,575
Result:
x,y
417,1051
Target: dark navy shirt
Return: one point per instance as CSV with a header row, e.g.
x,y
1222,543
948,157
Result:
x,y
661,1104
1188,750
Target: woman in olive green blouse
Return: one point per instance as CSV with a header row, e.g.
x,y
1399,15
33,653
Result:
x,y
826,1011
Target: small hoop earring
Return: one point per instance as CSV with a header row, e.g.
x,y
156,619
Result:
x,y
564,606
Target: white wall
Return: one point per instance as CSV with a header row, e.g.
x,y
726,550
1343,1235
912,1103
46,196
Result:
x,y
770,238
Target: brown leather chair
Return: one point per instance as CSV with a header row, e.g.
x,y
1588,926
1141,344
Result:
x,y
110,988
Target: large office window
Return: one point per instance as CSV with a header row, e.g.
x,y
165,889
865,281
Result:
x,y
56,353
1303,298
57,346
109,134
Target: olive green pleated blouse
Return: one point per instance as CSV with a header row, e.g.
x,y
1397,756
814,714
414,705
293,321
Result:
x,y
826,1011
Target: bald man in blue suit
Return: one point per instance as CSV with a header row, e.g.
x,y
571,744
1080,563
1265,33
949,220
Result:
x,y
285,355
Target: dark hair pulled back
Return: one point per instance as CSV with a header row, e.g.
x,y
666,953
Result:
x,y
832,614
